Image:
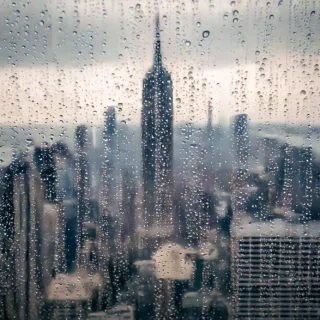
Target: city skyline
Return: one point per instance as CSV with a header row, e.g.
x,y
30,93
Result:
x,y
112,209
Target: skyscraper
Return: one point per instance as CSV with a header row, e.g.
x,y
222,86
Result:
x,y
276,270
109,173
23,218
82,177
157,141
108,200
241,141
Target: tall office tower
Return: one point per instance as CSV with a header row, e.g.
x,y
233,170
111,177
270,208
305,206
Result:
x,y
26,198
294,179
240,141
82,178
276,270
45,163
64,161
129,190
109,184
109,202
157,142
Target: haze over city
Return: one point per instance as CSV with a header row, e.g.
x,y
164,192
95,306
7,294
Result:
x,y
64,63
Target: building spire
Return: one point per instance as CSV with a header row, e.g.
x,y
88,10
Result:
x,y
157,54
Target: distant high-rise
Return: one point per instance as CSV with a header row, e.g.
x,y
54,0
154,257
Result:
x,y
157,141
240,141
22,218
108,199
82,177
109,173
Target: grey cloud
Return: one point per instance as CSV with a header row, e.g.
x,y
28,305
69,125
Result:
x,y
39,34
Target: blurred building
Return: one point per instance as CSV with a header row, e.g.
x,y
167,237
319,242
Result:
x,y
240,139
65,171
109,172
53,241
157,143
174,268
129,191
23,223
276,267
68,296
83,184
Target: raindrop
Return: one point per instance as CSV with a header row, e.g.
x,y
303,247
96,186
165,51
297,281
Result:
x,y
138,6
313,13
257,52
188,43
225,16
235,12
268,4
271,17
198,24
232,3
303,92
206,33
235,20
41,22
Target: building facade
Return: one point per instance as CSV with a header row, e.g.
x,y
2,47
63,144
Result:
x,y
157,141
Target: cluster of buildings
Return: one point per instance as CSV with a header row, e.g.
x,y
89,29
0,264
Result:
x,y
226,239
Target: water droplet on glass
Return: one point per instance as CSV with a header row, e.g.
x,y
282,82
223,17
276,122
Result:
x,y
198,24
235,20
235,12
41,22
313,13
257,52
303,92
225,16
188,43
206,33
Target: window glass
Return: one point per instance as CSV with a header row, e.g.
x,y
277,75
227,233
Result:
x,y
159,159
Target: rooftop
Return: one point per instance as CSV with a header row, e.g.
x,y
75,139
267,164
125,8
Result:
x,y
76,286
276,228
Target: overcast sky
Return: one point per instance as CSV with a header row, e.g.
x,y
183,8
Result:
x,y
64,62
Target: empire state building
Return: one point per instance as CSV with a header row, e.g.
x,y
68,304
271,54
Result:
x,y
157,143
